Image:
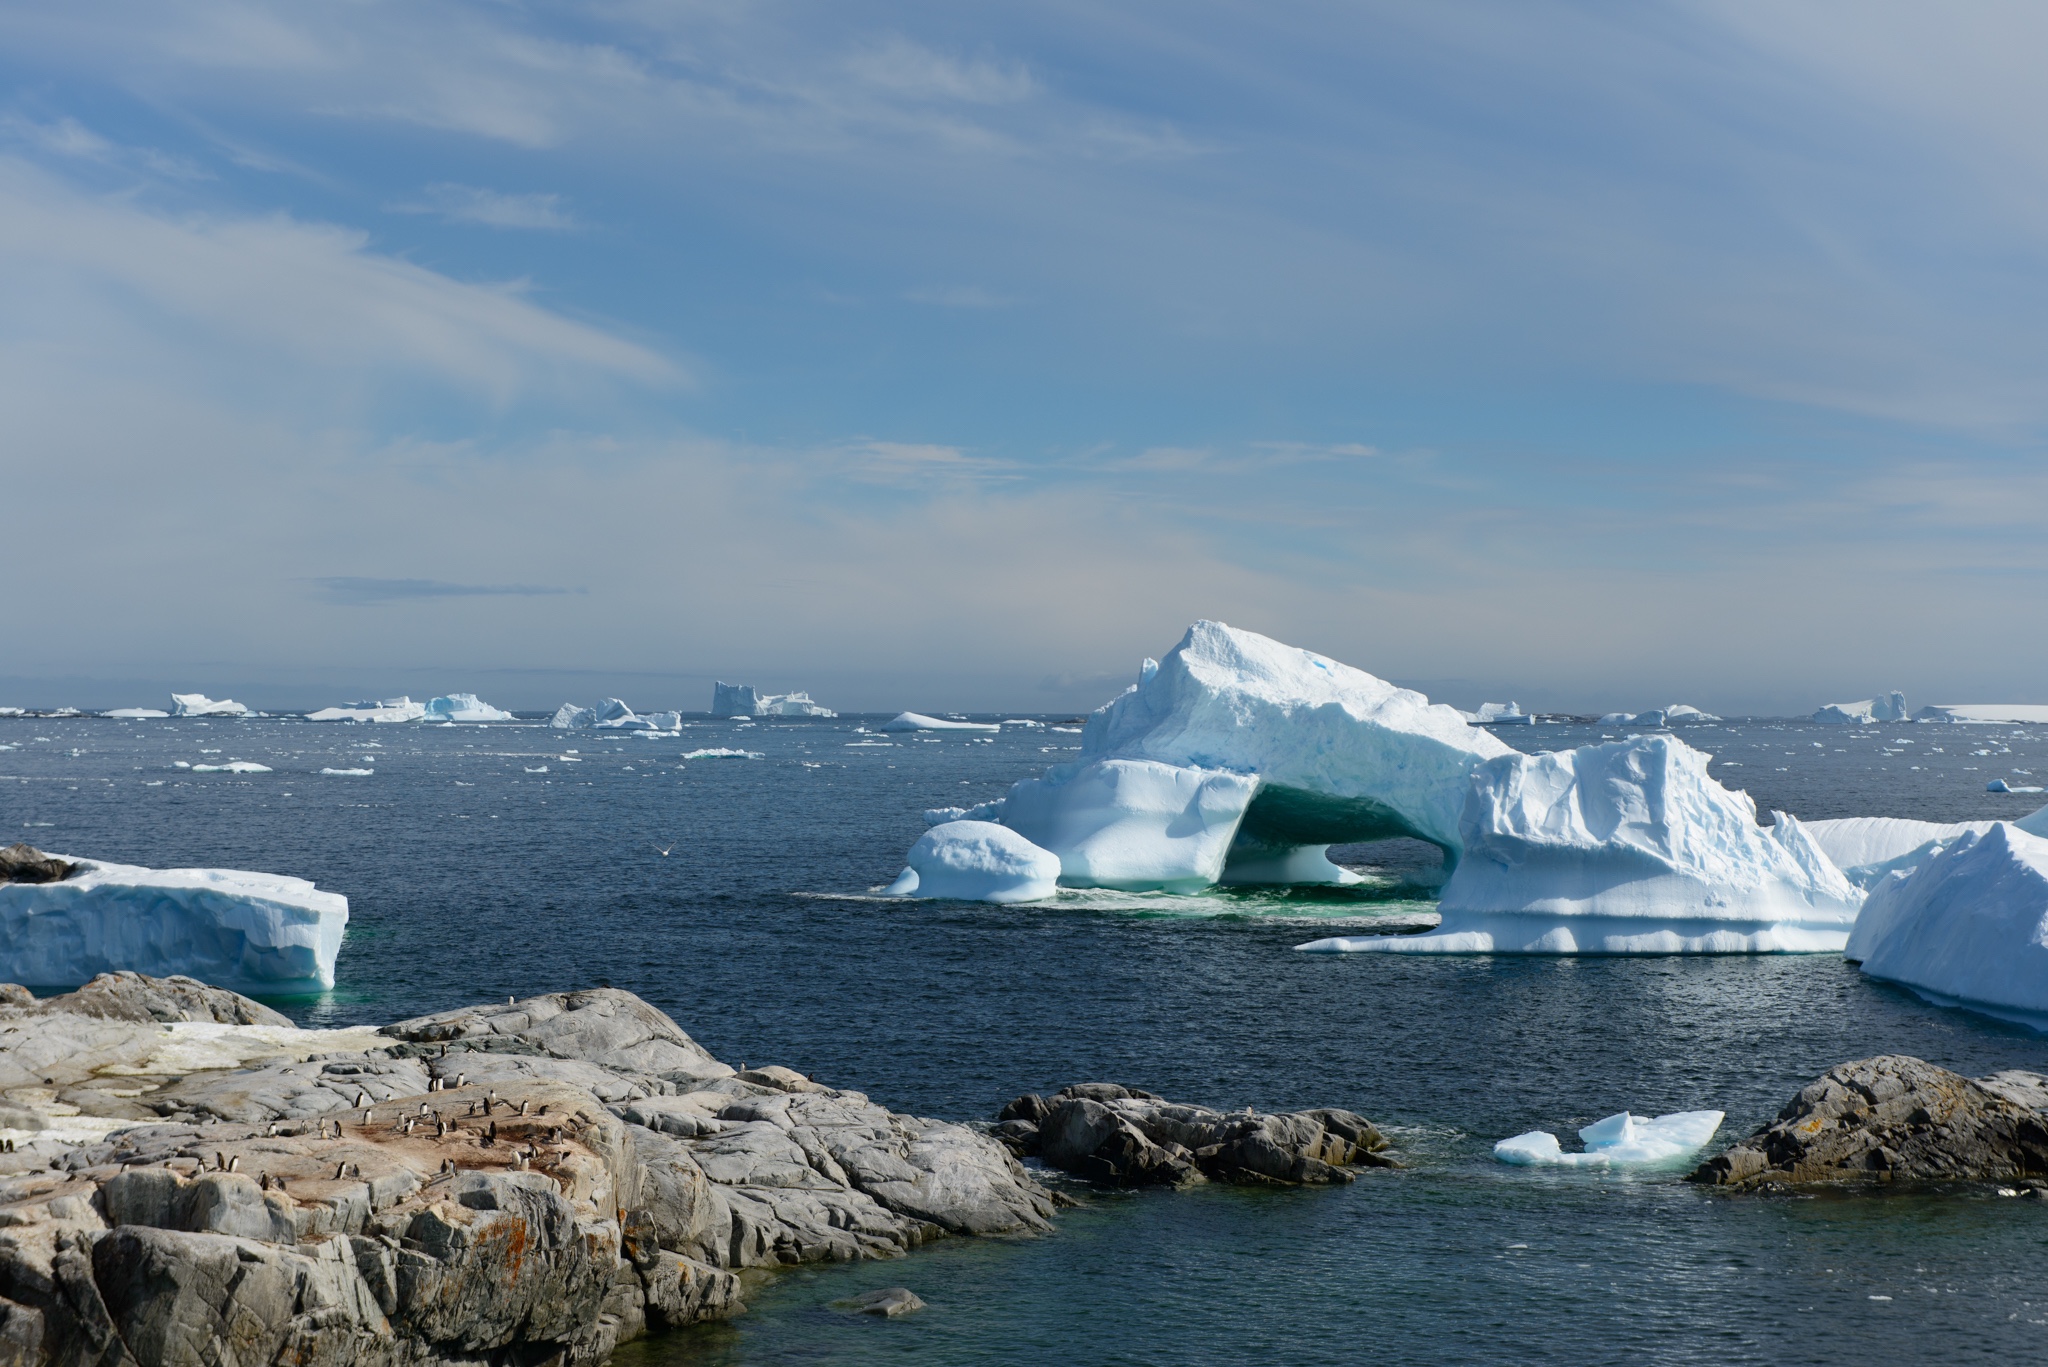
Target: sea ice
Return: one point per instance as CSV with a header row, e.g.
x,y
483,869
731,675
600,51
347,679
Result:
x,y
1999,785
918,721
569,716
977,861
348,773
376,710
2022,713
464,707
135,714
1619,1141
1890,707
742,700
723,752
224,926
199,705
1626,848
238,766
1969,926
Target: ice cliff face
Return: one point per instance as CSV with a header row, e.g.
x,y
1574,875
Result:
x,y
613,715
1890,707
743,700
199,705
464,707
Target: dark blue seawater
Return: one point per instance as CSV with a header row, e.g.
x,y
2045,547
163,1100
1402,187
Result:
x,y
471,876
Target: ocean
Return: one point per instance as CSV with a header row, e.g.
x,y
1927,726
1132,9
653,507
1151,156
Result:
x,y
735,892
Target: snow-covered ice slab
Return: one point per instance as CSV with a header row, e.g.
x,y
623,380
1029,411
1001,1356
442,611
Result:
x,y
135,714
570,717
744,700
2022,713
1968,927
199,705
253,931
1626,848
918,721
977,861
463,707
1619,1141
384,710
1890,707
1867,848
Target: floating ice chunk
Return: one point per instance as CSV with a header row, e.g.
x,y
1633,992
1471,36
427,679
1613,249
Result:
x,y
569,716
1619,1141
1508,712
977,861
2022,713
1679,711
199,705
13,712
723,753
222,926
238,766
1866,848
743,700
1999,785
378,710
917,721
348,773
135,714
1627,848
986,811
1968,927
1133,824
1890,707
664,721
464,707
1618,719
1024,722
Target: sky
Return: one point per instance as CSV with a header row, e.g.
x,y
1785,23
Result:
x,y
1599,355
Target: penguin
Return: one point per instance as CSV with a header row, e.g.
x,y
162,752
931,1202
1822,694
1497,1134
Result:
x,y
543,1108
522,1107
519,1162
369,1117
220,1162
440,1127
340,1171
460,1078
489,1103
423,1108
272,1131
447,1165
491,1134
435,1085
235,1163
444,1051
362,1099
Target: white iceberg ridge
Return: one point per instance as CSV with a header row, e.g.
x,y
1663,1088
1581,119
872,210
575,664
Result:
x,y
1658,716
1968,926
1626,848
257,931
918,721
977,861
381,710
2021,713
1619,1141
134,714
199,705
1504,713
742,700
464,707
1890,707
613,715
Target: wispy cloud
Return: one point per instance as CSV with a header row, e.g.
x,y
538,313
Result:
x,y
915,464
470,204
356,591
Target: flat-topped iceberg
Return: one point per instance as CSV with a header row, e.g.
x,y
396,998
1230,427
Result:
x,y
1509,713
918,721
259,931
135,714
376,710
977,861
199,705
1890,707
2021,713
1619,1141
1626,848
463,707
1968,926
744,700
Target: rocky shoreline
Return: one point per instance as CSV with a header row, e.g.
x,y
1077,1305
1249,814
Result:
x,y
534,1182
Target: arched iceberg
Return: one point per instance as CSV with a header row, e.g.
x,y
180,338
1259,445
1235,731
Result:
x,y
1626,848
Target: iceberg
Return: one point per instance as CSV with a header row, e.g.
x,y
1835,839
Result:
x,y
1507,713
569,716
1137,824
614,715
977,861
233,766
742,700
381,710
199,705
2021,713
464,707
1626,848
135,714
1618,719
1619,1141
1868,848
1890,707
1968,927
1679,711
228,927
918,721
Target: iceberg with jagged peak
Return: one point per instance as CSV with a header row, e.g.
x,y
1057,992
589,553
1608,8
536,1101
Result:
x,y
463,707
1619,1141
1628,847
377,710
199,705
254,931
1890,707
743,700
613,715
1501,714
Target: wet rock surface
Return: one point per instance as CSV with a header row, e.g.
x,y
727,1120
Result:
x,y
522,1183
1894,1118
24,863
1127,1137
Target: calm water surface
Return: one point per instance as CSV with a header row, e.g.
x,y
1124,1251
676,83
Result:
x,y
470,875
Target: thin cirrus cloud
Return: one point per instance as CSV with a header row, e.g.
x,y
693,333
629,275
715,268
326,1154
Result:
x,y
455,203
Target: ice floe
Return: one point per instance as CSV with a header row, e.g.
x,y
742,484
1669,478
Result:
x,y
236,766
223,926
1968,926
977,861
1619,1141
199,705
464,707
376,710
135,714
1629,847
1890,707
723,752
918,721
348,773
743,700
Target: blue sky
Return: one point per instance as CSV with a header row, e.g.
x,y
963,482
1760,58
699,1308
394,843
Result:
x,y
932,355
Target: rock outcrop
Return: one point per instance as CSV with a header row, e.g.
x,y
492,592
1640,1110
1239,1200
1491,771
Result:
x,y
523,1183
1895,1119
24,863
1123,1136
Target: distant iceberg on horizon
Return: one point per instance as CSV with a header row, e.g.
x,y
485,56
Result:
x,y
465,707
612,714
199,705
743,700
382,710
1890,707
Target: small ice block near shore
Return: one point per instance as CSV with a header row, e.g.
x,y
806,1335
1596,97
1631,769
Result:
x,y
1968,926
744,700
64,920
977,861
1626,848
1619,1141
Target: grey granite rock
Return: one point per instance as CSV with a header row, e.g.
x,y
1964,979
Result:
x,y
1894,1118
24,863
1123,1136
887,1303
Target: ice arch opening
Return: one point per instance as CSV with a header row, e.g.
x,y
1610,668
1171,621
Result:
x,y
1286,835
